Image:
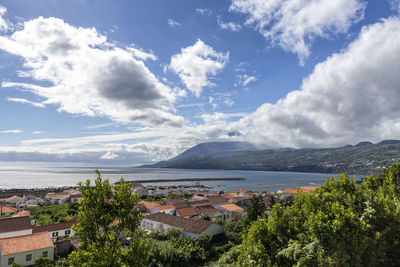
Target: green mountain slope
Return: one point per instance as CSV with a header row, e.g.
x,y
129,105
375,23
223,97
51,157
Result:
x,y
364,157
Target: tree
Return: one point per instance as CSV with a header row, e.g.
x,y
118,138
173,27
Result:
x,y
234,228
340,224
106,217
256,209
43,262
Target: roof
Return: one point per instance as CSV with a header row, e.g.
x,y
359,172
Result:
x,y
6,209
232,207
174,201
305,189
187,212
57,196
55,227
14,224
180,205
217,199
165,207
210,210
15,197
188,225
19,244
148,205
23,213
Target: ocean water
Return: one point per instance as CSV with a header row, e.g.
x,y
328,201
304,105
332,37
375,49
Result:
x,y
23,175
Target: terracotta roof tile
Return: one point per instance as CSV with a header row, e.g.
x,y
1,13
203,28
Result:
x,y
187,212
165,207
305,189
23,213
6,209
54,227
19,244
14,197
232,207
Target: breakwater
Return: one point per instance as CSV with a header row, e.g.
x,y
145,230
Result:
x,y
186,180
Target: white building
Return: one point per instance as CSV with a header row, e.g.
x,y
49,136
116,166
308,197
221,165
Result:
x,y
57,230
190,227
25,249
15,226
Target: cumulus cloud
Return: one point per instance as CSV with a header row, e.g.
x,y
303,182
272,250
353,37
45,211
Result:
x,y
351,96
15,131
109,156
229,26
196,63
293,24
37,132
3,23
88,74
173,23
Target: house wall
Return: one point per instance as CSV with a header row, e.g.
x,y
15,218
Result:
x,y
21,257
60,233
153,225
16,233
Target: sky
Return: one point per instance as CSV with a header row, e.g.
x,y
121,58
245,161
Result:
x,y
129,82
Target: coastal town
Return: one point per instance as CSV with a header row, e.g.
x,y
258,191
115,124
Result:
x,y
193,210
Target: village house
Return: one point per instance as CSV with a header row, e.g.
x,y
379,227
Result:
x,y
16,200
213,213
190,227
57,230
25,249
7,211
187,212
145,206
141,191
168,209
57,198
15,226
231,208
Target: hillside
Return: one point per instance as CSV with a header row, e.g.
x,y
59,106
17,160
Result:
x,y
364,157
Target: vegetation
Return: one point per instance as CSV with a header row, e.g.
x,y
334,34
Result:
x,y
106,218
54,213
340,224
362,158
257,208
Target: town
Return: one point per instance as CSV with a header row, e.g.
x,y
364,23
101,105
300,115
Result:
x,y
194,210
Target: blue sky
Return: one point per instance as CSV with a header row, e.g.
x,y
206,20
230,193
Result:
x,y
131,82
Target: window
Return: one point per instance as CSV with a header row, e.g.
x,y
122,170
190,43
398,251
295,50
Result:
x,y
45,254
67,232
54,234
10,261
28,257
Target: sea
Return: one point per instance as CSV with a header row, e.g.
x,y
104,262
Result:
x,y
21,175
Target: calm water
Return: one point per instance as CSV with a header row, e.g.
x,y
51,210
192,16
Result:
x,y
25,175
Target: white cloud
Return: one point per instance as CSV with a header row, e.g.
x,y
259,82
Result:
x,y
37,132
109,156
204,11
3,23
173,23
293,24
395,5
97,126
89,75
351,96
16,131
244,80
229,26
195,63
25,101
140,54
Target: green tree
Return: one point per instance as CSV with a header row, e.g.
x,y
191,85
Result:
x,y
43,262
340,224
14,264
106,218
234,228
256,209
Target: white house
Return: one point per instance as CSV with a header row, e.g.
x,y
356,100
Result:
x,y
141,191
16,200
15,226
57,198
190,227
25,249
169,209
57,230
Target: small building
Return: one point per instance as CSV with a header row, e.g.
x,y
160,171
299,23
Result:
x,y
145,206
16,200
232,208
57,198
169,209
141,191
25,249
214,213
7,211
57,230
190,227
187,212
15,226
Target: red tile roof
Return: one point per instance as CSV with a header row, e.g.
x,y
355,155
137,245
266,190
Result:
x,y
14,197
19,244
148,205
54,227
6,209
187,212
232,207
305,189
165,207
23,213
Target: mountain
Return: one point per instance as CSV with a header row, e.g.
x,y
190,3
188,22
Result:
x,y
364,157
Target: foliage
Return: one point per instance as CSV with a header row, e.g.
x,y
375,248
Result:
x,y
256,209
234,228
205,217
43,262
230,258
340,224
14,264
106,218
54,213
